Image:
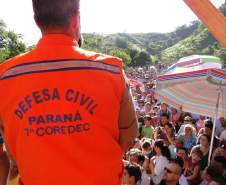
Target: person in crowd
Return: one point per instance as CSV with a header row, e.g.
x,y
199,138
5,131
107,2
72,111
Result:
x,y
193,174
140,107
131,175
147,108
164,109
204,146
179,143
200,123
210,173
140,159
219,127
172,174
170,134
220,150
147,129
183,154
132,155
208,129
175,119
160,131
159,162
220,162
136,143
189,138
187,120
218,181
179,161
145,177
146,147
164,118
223,134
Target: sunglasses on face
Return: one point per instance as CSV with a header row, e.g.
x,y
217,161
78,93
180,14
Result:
x,y
169,171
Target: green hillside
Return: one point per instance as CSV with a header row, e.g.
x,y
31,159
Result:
x,y
135,49
161,47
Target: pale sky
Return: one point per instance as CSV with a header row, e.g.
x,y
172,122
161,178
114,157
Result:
x,y
106,16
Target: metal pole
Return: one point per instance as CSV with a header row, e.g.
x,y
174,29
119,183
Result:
x,y
214,126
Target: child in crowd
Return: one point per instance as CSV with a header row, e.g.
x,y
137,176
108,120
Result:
x,y
193,173
147,129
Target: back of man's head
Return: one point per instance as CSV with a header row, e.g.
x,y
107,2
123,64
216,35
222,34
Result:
x,y
179,163
134,171
54,13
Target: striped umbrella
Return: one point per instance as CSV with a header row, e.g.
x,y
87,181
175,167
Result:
x,y
201,91
194,63
196,91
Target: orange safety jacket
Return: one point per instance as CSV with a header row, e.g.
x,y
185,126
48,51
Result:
x,y
60,107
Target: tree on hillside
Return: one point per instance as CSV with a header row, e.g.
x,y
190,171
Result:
x,y
221,53
141,59
11,44
121,43
121,54
223,9
15,44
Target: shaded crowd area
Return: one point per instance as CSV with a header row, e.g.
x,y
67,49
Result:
x,y
170,136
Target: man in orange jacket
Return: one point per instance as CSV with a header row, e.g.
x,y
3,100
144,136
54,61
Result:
x,y
67,115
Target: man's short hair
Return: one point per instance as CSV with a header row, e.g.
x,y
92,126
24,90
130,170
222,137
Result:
x,y
164,114
179,162
134,170
57,13
208,123
213,171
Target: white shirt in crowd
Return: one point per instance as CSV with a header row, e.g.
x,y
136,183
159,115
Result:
x,y
145,178
183,180
160,163
223,135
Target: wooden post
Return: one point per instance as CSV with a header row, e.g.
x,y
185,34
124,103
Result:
x,y
211,18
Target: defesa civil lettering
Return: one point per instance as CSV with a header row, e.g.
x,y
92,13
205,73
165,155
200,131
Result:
x,y
36,98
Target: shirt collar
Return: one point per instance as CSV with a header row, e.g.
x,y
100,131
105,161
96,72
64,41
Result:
x,y
57,40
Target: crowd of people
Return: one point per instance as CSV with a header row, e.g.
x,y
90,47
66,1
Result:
x,y
173,146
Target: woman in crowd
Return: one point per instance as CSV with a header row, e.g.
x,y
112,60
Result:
x,y
170,134
188,137
175,119
159,162
183,154
204,146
